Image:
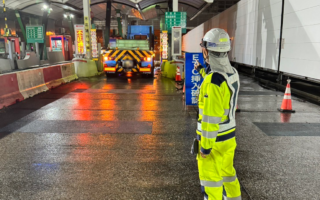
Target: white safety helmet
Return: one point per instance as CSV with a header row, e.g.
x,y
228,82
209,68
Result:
x,y
216,40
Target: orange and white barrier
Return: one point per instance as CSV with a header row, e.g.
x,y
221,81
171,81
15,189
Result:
x,y
21,85
178,75
53,76
31,82
286,105
9,92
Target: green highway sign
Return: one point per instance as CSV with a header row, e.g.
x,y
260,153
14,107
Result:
x,y
35,34
176,19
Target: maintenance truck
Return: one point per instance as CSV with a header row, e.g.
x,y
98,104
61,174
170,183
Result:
x,y
133,55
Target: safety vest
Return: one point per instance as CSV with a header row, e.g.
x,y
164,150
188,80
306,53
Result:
x,y
234,85
226,124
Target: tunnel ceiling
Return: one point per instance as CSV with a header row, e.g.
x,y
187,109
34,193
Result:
x,y
98,7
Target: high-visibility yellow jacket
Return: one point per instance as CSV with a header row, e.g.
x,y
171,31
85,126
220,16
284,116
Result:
x,y
217,106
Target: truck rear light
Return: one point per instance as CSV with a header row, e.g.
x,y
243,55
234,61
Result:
x,y
147,59
149,66
106,58
145,70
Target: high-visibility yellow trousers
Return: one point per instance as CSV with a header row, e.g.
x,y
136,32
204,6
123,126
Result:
x,y
216,171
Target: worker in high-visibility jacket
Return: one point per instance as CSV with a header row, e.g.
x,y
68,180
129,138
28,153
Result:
x,y
216,126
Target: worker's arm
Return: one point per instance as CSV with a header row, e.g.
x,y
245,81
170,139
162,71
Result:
x,y
201,70
213,112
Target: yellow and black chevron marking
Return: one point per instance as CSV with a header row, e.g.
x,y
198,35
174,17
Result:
x,y
136,55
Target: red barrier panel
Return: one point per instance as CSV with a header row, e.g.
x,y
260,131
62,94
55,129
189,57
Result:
x,y
53,76
9,91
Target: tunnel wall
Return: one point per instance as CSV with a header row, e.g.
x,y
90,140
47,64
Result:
x,y
255,28
301,34
191,41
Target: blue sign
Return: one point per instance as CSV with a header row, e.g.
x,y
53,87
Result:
x,y
193,79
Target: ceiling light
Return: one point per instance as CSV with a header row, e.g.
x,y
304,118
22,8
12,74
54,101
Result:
x,y
65,16
138,7
71,15
45,6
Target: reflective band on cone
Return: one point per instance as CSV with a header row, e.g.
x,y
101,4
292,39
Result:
x,y
286,105
178,75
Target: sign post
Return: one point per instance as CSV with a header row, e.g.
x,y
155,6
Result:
x,y
193,79
35,34
87,27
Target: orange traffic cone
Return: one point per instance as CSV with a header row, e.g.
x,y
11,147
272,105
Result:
x,y
286,102
178,75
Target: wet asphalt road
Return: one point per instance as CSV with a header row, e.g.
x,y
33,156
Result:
x,y
120,139
99,139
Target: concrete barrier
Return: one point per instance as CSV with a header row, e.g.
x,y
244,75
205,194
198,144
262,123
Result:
x,y
55,57
5,65
85,67
52,76
31,82
68,72
30,60
21,85
169,70
9,92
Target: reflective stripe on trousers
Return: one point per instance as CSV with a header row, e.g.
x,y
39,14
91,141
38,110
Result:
x,y
211,183
229,179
